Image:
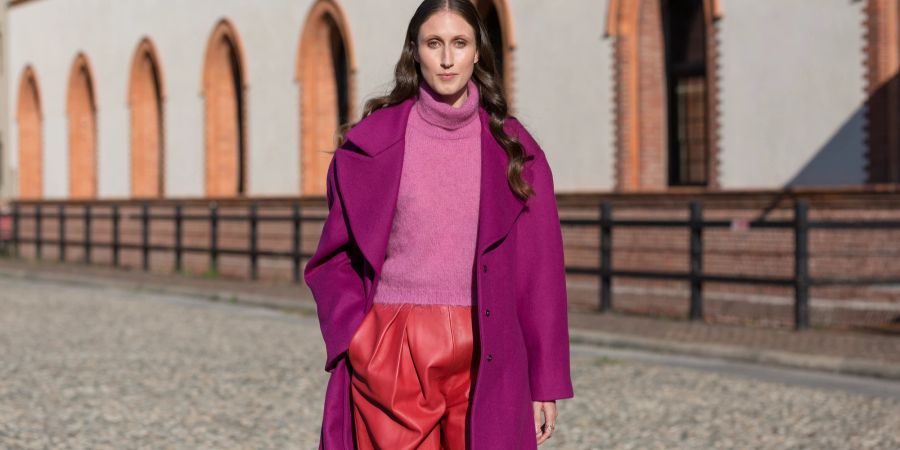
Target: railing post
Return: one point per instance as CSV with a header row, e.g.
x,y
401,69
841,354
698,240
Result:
x,y
87,233
254,257
61,219
605,256
696,310
801,265
37,231
145,236
178,250
15,229
213,237
115,235
296,244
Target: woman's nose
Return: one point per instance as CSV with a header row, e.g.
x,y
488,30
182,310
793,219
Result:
x,y
447,60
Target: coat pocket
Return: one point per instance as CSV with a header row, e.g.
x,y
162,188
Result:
x,y
353,348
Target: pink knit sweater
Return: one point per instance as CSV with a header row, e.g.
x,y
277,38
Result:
x,y
431,248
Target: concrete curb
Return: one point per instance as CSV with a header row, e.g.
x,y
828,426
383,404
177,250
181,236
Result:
x,y
847,366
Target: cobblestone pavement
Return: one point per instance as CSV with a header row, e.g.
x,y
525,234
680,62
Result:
x,y
89,368
878,348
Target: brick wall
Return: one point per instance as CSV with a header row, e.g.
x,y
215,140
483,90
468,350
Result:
x,y
756,252
224,113
82,115
146,124
31,159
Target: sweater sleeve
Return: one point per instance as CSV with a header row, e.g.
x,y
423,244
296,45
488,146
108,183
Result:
x,y
541,283
334,275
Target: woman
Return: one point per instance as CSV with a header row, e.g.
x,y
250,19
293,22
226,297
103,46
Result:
x,y
439,278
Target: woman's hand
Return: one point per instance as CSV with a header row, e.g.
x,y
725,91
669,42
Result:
x,y
544,430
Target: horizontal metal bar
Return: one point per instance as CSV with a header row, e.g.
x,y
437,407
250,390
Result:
x,y
685,276
740,279
826,224
856,225
138,246
49,214
675,223
854,281
231,217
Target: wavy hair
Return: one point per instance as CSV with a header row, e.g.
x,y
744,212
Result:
x,y
408,75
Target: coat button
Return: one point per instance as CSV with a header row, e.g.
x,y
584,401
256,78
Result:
x,y
484,268
490,357
487,312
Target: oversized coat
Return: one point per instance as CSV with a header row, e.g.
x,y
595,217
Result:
x,y
519,284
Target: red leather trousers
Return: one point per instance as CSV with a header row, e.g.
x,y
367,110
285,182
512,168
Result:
x,y
411,372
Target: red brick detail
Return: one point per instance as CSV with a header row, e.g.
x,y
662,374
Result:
x,y
145,96
28,116
224,91
82,113
883,90
507,30
325,23
640,94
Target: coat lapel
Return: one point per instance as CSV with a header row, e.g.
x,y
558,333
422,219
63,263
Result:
x,y
369,165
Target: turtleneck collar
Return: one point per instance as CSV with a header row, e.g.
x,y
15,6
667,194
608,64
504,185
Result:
x,y
434,111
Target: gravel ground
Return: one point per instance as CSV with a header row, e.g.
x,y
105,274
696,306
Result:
x,y
87,368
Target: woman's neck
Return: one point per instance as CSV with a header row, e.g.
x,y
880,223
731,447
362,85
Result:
x,y
432,107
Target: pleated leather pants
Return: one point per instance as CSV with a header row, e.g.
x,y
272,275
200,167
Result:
x,y
411,369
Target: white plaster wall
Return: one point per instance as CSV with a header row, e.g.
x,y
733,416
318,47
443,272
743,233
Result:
x,y
564,87
564,100
789,114
792,93
379,29
48,34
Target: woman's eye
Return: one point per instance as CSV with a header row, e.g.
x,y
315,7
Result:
x,y
460,44
433,44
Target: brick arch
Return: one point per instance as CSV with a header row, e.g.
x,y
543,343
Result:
x,y
146,92
507,45
29,118
82,113
225,116
326,89
642,149
883,90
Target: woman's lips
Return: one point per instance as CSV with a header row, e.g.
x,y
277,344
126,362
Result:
x,y
447,76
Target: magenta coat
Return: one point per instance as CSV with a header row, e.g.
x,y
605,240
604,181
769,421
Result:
x,y
522,337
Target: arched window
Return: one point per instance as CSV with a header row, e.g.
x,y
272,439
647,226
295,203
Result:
x,y
666,95
145,98
497,17
883,89
82,113
224,91
687,82
28,116
325,72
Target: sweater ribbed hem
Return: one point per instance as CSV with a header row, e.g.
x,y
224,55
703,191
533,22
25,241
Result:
x,y
421,296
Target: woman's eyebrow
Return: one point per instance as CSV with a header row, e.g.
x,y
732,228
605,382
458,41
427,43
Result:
x,y
458,36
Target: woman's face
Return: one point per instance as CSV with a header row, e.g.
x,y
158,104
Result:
x,y
446,45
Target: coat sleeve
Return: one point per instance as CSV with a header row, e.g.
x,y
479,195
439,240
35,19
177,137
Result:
x,y
334,276
541,283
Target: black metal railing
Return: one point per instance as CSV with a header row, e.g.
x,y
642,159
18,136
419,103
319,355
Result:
x,y
800,225
695,276
12,239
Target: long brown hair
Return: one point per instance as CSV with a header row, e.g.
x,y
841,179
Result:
x,y
407,77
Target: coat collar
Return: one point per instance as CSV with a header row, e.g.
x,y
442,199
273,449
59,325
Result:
x,y
368,167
